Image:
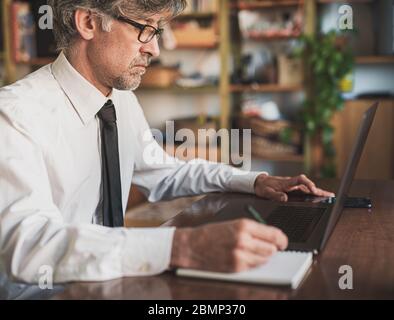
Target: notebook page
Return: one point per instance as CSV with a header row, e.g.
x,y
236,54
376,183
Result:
x,y
284,268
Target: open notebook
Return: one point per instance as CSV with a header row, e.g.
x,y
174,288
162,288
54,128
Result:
x,y
284,268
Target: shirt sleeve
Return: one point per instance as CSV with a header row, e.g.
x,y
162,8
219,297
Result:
x,y
34,234
162,177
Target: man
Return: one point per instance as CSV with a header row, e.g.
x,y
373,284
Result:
x,y
72,141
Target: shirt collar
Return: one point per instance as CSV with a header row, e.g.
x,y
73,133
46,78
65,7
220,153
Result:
x,y
85,98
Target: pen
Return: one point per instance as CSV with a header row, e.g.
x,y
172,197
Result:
x,y
256,215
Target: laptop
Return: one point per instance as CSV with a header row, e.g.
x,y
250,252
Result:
x,y
308,225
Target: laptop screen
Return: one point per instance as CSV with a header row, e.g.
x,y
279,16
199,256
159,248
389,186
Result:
x,y
350,171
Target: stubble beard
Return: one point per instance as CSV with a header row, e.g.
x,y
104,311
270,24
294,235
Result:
x,y
131,79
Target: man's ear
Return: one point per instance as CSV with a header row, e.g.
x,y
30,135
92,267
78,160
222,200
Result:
x,y
85,24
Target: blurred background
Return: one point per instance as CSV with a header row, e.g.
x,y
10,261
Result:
x,y
299,74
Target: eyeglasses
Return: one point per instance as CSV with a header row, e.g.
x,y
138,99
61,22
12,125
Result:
x,y
147,32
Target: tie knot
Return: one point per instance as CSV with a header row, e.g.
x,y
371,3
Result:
x,y
107,113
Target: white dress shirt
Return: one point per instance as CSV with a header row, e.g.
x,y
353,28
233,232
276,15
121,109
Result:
x,y
50,181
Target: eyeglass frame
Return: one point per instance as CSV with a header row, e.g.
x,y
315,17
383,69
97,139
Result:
x,y
158,31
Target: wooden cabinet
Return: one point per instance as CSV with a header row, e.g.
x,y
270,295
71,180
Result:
x,y
377,161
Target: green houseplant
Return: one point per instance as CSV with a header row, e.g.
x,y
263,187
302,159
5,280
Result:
x,y
327,60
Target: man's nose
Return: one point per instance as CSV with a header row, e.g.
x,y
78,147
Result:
x,y
152,48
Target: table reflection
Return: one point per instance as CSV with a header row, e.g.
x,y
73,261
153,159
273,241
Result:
x,y
170,287
208,210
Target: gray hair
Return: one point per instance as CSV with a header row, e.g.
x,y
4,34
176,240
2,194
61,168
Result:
x,y
65,31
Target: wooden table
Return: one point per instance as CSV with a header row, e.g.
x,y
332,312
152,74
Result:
x,y
362,239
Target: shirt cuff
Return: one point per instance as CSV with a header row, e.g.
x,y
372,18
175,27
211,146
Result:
x,y
243,181
147,251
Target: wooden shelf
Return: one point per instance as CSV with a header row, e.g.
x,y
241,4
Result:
x,y
345,1
37,61
370,99
177,89
264,88
197,15
279,157
374,59
271,38
198,46
250,5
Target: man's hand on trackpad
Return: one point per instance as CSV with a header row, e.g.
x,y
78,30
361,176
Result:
x,y
277,188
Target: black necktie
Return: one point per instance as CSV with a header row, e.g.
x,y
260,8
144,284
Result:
x,y
112,190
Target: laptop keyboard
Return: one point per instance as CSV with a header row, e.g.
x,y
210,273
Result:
x,y
296,222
